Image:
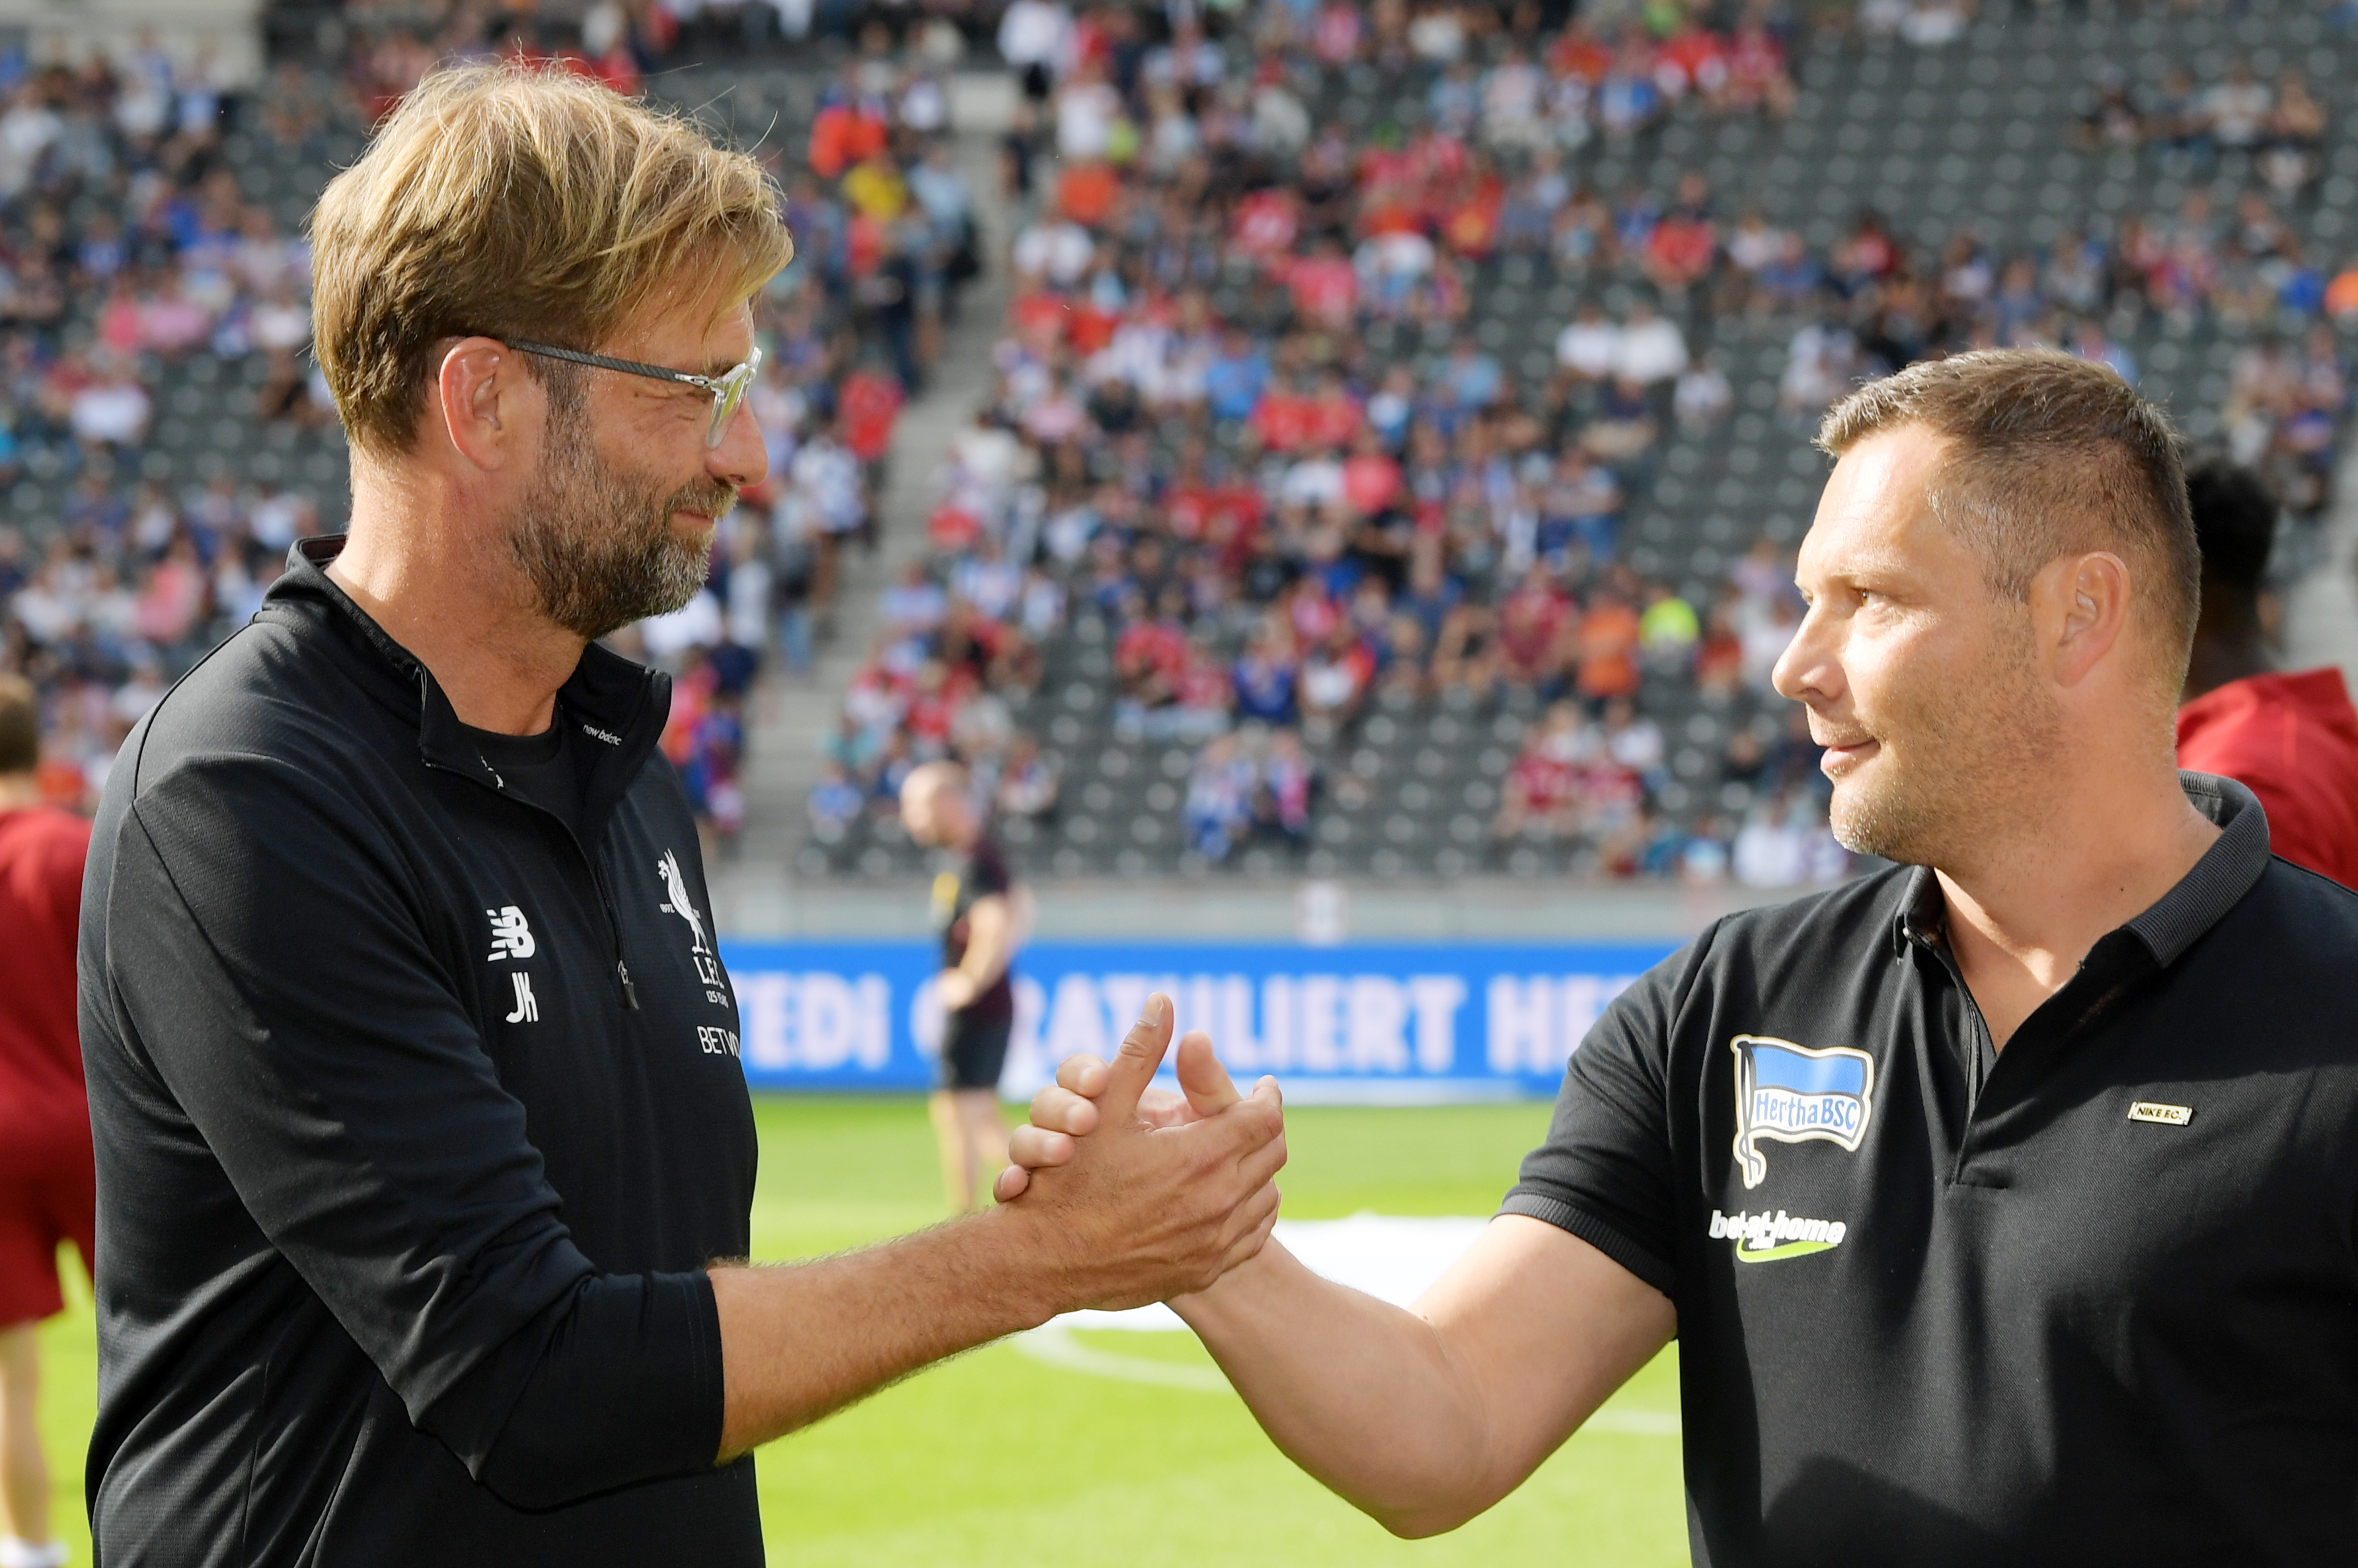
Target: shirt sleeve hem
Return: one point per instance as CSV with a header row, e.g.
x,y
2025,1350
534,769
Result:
x,y
710,1363
1595,1232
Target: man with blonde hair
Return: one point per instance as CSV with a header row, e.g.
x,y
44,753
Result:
x,y
422,1138
2001,1202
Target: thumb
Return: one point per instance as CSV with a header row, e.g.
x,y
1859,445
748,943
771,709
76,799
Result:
x,y
1134,1065
1205,1082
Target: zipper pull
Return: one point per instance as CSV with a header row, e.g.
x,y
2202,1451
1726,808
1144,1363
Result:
x,y
630,992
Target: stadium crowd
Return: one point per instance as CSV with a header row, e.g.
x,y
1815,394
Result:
x,y
1208,434
143,288
125,243
1203,437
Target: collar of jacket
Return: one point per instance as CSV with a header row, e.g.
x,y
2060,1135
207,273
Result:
x,y
618,706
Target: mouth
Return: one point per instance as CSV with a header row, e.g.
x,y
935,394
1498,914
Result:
x,y
1848,756
698,520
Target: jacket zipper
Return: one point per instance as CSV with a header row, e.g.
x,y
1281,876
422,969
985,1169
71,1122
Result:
x,y
596,876
613,923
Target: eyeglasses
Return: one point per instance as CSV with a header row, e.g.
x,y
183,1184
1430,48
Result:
x,y
728,389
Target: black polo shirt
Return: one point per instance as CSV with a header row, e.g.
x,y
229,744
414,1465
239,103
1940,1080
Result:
x,y
414,1080
2093,1299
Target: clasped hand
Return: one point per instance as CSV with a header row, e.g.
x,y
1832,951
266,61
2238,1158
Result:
x,y
1160,1194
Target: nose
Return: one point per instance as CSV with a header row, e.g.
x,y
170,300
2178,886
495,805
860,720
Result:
x,y
1810,669
742,458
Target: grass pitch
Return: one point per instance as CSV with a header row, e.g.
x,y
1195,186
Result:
x,y
996,1458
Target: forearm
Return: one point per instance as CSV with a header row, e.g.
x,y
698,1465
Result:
x,y
984,962
802,1340
1363,1395
990,943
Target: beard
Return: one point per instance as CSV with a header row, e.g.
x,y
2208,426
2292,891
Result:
x,y
1957,754
595,540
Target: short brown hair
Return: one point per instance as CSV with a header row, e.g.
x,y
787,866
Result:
x,y
2050,454
20,724
512,199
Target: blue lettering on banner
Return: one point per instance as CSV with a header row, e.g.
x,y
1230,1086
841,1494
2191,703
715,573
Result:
x,y
1379,1024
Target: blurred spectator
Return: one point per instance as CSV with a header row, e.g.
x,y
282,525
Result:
x,y
1219,798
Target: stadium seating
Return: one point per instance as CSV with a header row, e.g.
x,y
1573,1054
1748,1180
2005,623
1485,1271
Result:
x,y
1995,136
167,436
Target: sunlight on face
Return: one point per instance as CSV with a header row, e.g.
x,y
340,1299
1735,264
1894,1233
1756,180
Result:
x,y
619,519
932,814
1925,693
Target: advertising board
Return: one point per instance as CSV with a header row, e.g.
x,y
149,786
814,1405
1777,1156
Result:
x,y
1365,1023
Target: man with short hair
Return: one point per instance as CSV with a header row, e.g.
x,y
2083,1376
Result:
x,y
978,908
2000,1202
2289,738
45,1164
423,1140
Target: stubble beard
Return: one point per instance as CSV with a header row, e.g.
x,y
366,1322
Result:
x,y
1970,750
595,541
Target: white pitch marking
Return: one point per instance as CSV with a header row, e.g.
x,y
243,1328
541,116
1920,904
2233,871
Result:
x,y
1390,1257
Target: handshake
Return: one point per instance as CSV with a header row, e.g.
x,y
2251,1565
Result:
x,y
1422,1417
1122,1195
1153,1195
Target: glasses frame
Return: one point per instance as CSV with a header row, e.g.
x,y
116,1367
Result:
x,y
728,389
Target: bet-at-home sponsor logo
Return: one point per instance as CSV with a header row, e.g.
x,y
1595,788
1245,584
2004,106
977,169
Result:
x,y
1763,1238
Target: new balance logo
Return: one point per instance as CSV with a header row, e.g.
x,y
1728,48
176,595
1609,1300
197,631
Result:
x,y
527,1011
511,934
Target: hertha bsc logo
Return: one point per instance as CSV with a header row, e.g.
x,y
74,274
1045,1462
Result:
x,y
1794,1094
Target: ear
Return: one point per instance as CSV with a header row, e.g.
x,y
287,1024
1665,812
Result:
x,y
490,409
2081,606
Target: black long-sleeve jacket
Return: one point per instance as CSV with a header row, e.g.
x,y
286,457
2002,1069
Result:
x,y
418,1115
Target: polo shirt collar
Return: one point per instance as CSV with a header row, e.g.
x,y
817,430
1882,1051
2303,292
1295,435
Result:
x,y
2179,919
2218,879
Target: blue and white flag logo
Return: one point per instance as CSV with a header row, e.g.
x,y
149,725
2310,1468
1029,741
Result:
x,y
1793,1094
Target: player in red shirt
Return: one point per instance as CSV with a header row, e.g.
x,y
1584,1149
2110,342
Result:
x,y
2292,739
47,1188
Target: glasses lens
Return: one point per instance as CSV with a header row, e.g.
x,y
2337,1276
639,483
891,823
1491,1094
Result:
x,y
728,397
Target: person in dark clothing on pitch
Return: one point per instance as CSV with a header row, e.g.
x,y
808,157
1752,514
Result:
x,y
2289,737
981,914
425,1160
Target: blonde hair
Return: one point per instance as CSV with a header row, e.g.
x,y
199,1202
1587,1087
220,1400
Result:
x,y
510,199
